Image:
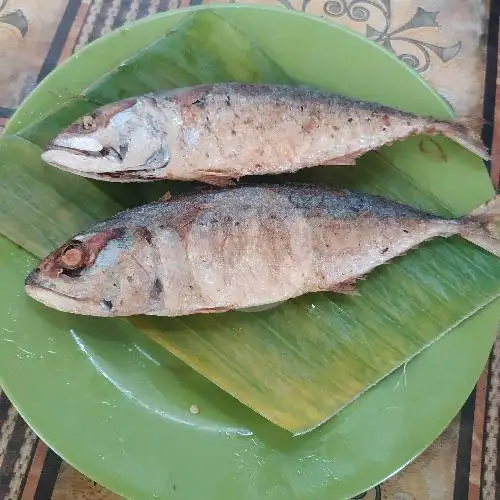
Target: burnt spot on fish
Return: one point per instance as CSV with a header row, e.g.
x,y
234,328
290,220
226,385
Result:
x,y
385,250
157,289
349,120
130,279
233,132
106,305
200,102
308,126
145,234
196,95
228,100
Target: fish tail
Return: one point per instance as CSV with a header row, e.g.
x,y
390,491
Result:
x,y
464,131
482,226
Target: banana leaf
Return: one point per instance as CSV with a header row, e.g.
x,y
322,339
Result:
x,y
299,363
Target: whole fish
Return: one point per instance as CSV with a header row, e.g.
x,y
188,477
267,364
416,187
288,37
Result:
x,y
222,132
239,247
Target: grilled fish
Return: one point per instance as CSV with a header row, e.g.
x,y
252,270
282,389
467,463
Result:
x,y
222,132
239,247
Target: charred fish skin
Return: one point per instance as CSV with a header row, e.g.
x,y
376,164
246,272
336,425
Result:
x,y
222,132
237,248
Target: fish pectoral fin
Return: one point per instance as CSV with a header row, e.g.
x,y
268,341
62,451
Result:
x,y
209,310
347,288
342,160
216,179
165,197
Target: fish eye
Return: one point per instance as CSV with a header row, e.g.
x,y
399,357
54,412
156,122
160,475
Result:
x,y
88,122
72,258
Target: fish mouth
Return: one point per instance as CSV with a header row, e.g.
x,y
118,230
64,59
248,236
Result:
x,y
62,302
76,151
61,157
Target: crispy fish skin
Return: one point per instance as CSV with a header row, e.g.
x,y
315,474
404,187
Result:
x,y
238,247
221,132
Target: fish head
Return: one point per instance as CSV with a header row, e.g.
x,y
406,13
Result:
x,y
107,272
122,142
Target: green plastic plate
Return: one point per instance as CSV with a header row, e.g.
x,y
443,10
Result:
x,y
116,406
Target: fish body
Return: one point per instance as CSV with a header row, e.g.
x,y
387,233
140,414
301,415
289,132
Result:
x,y
236,248
222,132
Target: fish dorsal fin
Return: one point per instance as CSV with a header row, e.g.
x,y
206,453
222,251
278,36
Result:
x,y
347,288
166,196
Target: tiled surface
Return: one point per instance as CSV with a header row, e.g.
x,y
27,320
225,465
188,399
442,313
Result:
x,y
27,29
429,477
443,39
